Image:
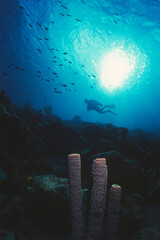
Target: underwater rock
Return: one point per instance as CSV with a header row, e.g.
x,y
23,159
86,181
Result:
x,y
76,119
154,194
2,175
152,158
132,164
149,233
93,132
4,100
129,149
47,198
55,166
133,178
6,234
38,166
131,215
60,139
102,145
119,132
13,172
16,139
12,210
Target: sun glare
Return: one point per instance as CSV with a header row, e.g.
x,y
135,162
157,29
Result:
x,y
116,69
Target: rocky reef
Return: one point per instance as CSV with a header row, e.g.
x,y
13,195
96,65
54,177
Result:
x,y
34,198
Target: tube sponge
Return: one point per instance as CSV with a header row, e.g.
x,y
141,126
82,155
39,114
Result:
x,y
74,167
98,199
113,212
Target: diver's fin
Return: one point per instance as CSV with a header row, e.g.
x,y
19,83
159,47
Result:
x,y
112,112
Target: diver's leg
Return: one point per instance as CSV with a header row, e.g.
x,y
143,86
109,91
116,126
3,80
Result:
x,y
110,112
109,106
99,110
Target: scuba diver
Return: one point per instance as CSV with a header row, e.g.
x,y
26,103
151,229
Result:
x,y
97,106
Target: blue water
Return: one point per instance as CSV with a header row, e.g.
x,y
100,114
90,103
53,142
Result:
x,y
45,44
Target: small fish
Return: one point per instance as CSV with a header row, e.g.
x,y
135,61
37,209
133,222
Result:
x,y
64,85
22,69
8,66
55,73
56,50
54,61
21,7
73,83
83,1
55,57
88,75
12,64
46,28
46,39
69,15
38,71
30,25
39,50
47,80
5,74
38,76
52,49
65,59
115,21
17,67
70,62
52,22
58,92
75,73
40,38
39,24
8,12
94,76
64,7
59,1
91,86
65,53
55,88
27,14
61,14
78,20
116,14
60,65
82,65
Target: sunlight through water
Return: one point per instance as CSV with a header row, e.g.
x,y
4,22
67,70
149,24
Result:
x,y
116,68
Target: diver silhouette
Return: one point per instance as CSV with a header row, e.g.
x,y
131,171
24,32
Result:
x,y
97,106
